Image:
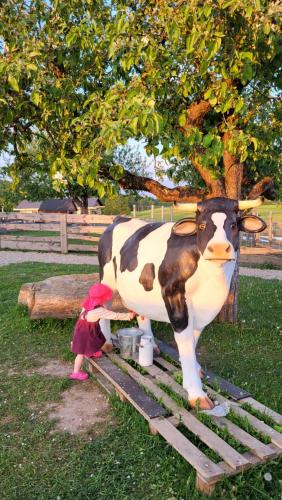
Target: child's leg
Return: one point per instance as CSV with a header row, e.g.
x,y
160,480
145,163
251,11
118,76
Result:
x,y
78,363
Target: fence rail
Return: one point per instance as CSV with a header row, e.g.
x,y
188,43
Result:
x,y
68,232
76,232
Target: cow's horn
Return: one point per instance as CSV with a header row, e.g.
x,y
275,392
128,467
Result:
x,y
247,204
188,207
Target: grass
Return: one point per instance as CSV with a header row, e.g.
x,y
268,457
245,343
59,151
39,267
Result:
x,y
263,211
125,462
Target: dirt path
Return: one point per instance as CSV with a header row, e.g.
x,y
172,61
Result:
x,y
13,257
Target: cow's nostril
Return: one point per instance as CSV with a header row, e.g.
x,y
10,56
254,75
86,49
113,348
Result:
x,y
228,248
210,248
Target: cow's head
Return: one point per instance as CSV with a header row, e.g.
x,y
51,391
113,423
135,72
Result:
x,y
217,226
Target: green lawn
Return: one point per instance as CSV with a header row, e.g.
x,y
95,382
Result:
x,y
263,211
126,462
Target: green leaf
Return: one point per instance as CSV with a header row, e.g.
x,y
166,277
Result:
x,y
249,10
239,105
71,37
13,83
116,171
134,124
182,119
255,142
207,140
246,55
101,190
36,98
266,29
207,10
190,41
213,101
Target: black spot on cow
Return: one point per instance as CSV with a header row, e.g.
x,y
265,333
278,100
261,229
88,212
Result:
x,y
179,263
147,277
106,243
115,267
128,252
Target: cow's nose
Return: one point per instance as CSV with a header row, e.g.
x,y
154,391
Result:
x,y
220,248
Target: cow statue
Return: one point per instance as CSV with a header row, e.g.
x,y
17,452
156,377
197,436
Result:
x,y
178,273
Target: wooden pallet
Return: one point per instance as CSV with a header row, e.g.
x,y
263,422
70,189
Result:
x,y
164,418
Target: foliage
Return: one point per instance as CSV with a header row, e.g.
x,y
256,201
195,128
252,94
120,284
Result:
x,y
192,78
117,205
8,197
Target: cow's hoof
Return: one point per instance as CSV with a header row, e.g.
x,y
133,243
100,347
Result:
x,y
202,403
107,347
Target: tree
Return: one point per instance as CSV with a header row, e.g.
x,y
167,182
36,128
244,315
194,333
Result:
x,y
195,79
118,205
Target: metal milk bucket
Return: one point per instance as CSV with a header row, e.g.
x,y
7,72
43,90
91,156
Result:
x,y
146,351
129,340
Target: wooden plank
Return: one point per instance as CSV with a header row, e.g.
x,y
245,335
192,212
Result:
x,y
82,237
208,469
90,219
86,229
258,448
38,217
243,437
165,364
207,436
63,233
30,227
129,388
263,409
29,245
275,436
214,380
82,248
32,239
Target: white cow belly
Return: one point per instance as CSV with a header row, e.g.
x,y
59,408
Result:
x,y
207,290
149,304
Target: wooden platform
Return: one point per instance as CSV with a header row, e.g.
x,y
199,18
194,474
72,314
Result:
x,y
164,417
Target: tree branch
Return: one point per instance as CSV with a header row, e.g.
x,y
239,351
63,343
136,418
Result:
x,y
163,193
215,186
265,187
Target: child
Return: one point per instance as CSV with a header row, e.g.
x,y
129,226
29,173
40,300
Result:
x,y
88,338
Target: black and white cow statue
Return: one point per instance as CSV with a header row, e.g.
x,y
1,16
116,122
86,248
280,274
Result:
x,y
178,273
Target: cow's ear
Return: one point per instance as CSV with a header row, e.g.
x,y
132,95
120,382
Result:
x,y
185,227
251,224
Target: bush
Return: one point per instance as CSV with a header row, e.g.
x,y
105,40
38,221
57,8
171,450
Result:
x,y
117,206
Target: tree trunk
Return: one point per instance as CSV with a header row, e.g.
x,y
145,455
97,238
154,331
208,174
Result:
x,y
233,182
61,296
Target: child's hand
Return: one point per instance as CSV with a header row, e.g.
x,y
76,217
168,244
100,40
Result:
x,y
131,315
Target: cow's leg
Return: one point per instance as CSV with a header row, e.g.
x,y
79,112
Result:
x,y
105,325
145,325
191,380
197,334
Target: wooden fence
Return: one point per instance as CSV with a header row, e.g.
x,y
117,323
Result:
x,y
69,232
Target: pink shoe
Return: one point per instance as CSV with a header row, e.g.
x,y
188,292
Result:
x,y
97,354
79,376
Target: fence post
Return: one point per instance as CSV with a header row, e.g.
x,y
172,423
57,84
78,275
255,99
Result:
x,y
162,212
134,210
270,228
171,213
63,233
152,212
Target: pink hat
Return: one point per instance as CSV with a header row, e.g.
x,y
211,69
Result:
x,y
98,294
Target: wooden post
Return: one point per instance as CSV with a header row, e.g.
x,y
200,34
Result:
x,y
152,212
162,212
134,210
63,233
171,213
270,228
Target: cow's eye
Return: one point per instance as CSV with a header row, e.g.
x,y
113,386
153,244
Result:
x,y
233,225
202,226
